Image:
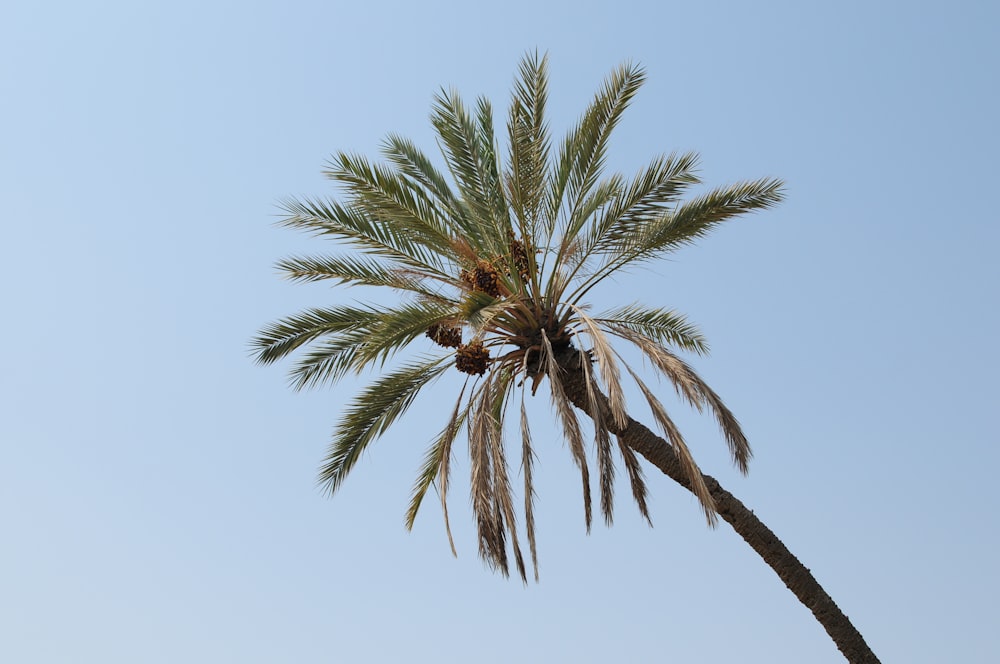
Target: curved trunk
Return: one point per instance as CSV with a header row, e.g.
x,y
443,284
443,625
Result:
x,y
792,572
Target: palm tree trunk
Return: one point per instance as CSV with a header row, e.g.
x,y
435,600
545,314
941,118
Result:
x,y
789,569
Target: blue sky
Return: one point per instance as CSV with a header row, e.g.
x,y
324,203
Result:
x,y
158,495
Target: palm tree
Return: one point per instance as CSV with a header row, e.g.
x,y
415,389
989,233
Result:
x,y
494,265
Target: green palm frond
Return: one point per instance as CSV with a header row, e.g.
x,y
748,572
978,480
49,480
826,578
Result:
x,y
651,193
369,234
357,271
693,220
371,342
280,339
582,156
462,142
396,201
415,165
529,141
371,413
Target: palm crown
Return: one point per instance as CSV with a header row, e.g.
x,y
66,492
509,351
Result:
x,y
494,264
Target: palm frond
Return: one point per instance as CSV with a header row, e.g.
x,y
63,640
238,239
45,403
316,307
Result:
x,y
280,339
527,467
694,219
697,393
676,440
636,479
436,464
604,355
667,363
370,234
356,271
394,200
650,193
529,144
462,143
371,341
582,156
571,426
664,326
500,388
371,413
413,163
483,428
493,191
602,444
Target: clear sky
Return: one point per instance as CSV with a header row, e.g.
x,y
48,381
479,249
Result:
x,y
158,500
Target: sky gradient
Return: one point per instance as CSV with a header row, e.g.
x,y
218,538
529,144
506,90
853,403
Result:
x,y
158,494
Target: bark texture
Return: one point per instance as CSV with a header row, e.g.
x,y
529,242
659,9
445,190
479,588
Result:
x,y
789,569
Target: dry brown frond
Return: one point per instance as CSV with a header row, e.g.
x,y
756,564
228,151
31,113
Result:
x,y
696,392
606,471
679,374
676,441
501,481
527,463
606,363
602,443
492,544
739,446
571,426
639,491
444,470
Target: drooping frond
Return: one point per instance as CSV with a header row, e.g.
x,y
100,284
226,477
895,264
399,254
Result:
x,y
483,431
527,468
371,413
602,444
503,494
636,479
605,357
435,467
692,388
571,426
676,440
